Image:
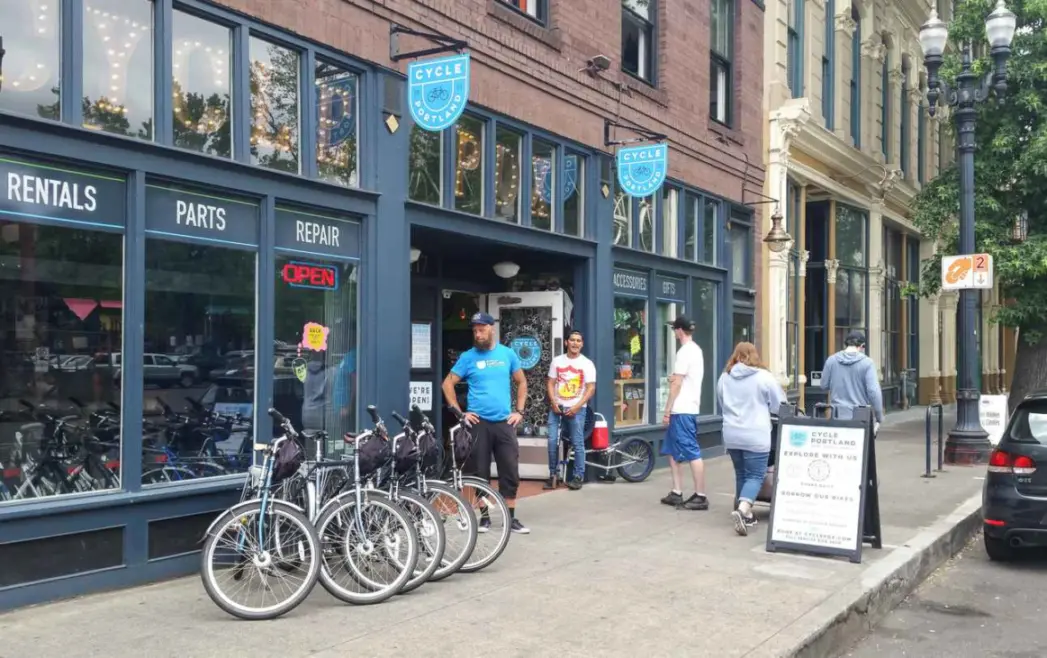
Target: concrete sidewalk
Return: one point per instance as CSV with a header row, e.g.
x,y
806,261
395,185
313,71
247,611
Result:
x,y
607,571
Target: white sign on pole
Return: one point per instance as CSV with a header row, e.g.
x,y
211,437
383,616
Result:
x,y
422,395
973,272
992,411
818,493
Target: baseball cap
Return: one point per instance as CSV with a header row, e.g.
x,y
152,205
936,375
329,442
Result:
x,y
855,338
682,322
481,318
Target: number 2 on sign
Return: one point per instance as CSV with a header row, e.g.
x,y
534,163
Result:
x,y
981,264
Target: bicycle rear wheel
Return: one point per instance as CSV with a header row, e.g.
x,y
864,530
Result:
x,y
641,456
357,540
494,523
460,526
240,560
431,537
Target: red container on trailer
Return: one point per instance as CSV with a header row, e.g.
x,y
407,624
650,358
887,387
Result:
x,y
601,435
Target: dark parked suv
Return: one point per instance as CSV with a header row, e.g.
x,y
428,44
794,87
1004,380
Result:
x,y
1014,499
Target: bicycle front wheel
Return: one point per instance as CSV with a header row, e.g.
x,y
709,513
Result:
x,y
369,548
432,539
241,564
494,523
460,527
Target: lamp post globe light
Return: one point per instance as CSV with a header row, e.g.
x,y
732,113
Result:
x,y
967,442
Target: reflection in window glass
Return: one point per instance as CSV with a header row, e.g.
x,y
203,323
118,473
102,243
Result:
x,y
647,218
743,328
316,388
850,236
706,324
61,321
274,106
573,177
31,67
623,217
336,120
507,176
666,349
469,166
690,228
740,254
200,66
118,67
850,303
670,234
425,163
200,315
709,228
630,341
543,180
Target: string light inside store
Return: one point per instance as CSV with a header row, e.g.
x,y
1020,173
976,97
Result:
x,y
35,75
212,117
120,36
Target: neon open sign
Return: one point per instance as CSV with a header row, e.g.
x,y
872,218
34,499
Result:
x,y
310,275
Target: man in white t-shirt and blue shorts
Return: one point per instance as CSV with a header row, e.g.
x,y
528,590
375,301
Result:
x,y
570,385
681,415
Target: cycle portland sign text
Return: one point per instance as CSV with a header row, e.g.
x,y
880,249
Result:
x,y
438,90
642,169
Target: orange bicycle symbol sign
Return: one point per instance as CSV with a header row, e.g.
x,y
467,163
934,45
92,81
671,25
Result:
x,y
967,272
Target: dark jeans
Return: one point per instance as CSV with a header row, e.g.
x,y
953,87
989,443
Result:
x,y
749,470
576,430
497,440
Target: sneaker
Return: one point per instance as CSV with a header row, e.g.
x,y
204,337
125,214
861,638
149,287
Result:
x,y
485,523
549,484
673,499
520,528
695,502
575,484
609,479
742,523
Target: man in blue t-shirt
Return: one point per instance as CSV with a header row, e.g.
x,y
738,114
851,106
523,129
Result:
x,y
489,368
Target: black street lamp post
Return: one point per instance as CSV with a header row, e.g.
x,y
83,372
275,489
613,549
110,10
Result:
x,y
968,442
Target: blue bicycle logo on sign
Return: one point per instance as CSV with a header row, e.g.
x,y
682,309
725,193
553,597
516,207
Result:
x,y
438,90
642,169
797,438
528,349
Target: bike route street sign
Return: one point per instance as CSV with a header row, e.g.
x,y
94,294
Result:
x,y
971,272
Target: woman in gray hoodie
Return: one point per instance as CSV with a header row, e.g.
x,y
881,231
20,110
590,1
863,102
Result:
x,y
748,395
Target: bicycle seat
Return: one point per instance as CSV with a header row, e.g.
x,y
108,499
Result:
x,y
314,435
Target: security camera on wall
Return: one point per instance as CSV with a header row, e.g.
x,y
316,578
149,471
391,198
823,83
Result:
x,y
597,64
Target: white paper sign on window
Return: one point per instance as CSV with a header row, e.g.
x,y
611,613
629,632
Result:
x,y
422,395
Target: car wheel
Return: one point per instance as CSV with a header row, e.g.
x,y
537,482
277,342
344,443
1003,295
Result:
x,y
187,380
998,550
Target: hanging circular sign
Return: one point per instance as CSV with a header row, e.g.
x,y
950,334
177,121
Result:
x,y
528,349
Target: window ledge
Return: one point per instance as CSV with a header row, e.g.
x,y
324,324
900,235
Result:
x,y
645,88
725,132
550,36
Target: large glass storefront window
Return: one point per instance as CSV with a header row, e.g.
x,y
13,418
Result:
x,y
706,318
623,217
336,124
648,218
61,323
469,166
543,182
274,106
852,278
670,234
574,195
425,164
507,175
30,83
199,359
630,360
892,307
118,67
315,320
202,77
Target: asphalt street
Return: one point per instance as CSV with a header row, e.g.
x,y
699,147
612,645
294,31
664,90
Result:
x,y
969,607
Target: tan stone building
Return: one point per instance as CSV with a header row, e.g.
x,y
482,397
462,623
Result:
x,y
850,143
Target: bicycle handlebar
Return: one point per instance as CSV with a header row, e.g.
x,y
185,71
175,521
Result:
x,y
373,412
400,419
277,416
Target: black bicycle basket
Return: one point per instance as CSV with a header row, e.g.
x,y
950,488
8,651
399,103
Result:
x,y
429,450
463,444
373,452
407,455
287,460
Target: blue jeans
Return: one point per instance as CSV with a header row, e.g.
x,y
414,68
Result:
x,y
749,470
576,427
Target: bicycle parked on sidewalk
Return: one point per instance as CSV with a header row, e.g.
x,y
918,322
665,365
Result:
x,y
632,459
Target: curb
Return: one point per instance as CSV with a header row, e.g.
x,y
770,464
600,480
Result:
x,y
850,613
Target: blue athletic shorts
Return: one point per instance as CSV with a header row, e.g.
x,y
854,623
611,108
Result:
x,y
681,441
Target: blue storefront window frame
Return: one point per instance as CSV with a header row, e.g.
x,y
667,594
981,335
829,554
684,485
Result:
x,y
243,29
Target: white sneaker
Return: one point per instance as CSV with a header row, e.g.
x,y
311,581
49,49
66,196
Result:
x,y
742,523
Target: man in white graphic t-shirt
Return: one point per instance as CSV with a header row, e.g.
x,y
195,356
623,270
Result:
x,y
571,383
681,415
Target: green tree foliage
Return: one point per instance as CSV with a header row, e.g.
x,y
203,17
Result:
x,y
1010,179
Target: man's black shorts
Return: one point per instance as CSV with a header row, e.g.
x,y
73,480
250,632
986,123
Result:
x,y
499,440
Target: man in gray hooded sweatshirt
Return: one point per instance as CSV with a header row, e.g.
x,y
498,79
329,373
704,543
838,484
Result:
x,y
850,377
